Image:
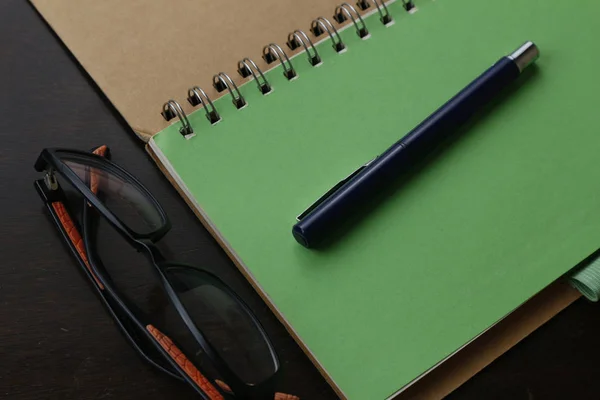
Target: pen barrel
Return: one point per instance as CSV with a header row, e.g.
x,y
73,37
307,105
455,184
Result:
x,y
354,195
447,119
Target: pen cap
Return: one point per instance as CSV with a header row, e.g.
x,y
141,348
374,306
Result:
x,y
525,55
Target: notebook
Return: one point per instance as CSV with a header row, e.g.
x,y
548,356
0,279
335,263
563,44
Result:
x,y
428,275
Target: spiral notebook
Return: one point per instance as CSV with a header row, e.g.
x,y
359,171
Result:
x,y
434,274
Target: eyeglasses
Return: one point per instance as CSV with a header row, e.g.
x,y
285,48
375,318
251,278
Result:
x,y
203,333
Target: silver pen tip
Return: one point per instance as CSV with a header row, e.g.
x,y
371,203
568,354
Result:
x,y
525,55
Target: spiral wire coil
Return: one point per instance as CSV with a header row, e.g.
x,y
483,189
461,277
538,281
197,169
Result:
x,y
273,52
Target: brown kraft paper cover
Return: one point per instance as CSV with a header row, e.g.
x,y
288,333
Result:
x,y
143,53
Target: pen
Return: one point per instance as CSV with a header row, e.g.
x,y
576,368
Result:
x,y
321,221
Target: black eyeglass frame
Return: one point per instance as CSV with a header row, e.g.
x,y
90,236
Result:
x,y
51,161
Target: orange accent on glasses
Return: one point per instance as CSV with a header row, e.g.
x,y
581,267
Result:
x,y
74,236
283,396
94,179
189,368
100,151
167,344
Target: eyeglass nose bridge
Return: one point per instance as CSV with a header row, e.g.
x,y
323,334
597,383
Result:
x,y
148,247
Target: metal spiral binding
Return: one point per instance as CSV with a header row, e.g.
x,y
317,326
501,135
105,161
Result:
x,y
408,5
247,67
297,37
172,109
197,96
320,25
222,81
272,52
384,14
345,11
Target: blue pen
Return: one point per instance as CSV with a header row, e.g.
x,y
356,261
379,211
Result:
x,y
352,195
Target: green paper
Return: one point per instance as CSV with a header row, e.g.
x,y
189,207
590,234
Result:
x,y
490,221
587,280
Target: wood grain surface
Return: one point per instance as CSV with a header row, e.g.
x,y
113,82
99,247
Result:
x,y
56,340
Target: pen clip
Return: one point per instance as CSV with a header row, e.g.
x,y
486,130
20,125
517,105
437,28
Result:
x,y
332,190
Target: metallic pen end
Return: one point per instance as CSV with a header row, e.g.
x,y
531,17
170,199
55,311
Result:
x,y
525,55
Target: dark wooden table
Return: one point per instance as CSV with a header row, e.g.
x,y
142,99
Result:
x,y
56,340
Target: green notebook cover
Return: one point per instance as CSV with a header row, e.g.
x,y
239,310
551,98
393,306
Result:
x,y
490,221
